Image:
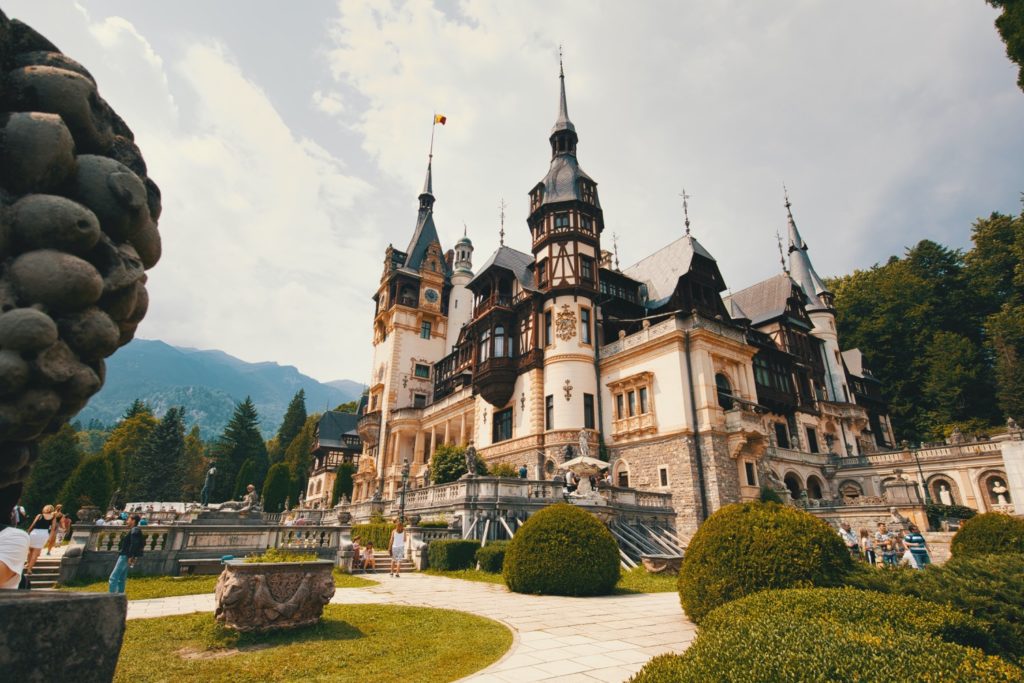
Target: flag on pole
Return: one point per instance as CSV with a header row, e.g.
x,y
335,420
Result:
x,y
440,118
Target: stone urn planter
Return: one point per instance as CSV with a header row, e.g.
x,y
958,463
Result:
x,y
662,564
265,596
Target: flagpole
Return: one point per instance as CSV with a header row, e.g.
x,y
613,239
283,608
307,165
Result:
x,y
433,125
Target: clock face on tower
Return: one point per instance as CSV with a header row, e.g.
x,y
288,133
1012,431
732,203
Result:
x,y
431,295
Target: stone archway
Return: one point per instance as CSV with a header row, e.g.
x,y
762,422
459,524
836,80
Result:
x,y
621,475
794,484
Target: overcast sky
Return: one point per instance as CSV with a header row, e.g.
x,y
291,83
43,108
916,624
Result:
x,y
290,139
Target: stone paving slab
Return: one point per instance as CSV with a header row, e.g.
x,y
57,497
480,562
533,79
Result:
x,y
554,638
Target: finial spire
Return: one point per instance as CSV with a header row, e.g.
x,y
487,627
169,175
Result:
x,y
465,230
782,255
686,210
563,122
615,248
501,233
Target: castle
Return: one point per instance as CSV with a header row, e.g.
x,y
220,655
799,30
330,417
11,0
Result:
x,y
537,356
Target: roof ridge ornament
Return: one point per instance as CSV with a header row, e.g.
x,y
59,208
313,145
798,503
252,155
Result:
x,y
615,247
501,233
782,255
686,210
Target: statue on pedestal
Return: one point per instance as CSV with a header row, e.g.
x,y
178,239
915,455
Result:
x,y
204,495
1001,492
470,460
584,444
944,495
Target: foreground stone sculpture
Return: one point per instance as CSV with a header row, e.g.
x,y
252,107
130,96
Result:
x,y
78,230
264,596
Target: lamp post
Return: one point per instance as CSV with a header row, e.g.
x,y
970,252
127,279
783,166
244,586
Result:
x,y
920,474
405,482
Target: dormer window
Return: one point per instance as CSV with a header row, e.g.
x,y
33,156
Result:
x,y
586,192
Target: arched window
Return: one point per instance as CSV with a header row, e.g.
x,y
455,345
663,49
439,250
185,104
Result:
x,y
794,485
814,488
724,391
622,474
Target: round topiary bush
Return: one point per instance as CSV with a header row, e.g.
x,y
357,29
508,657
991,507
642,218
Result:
x,y
562,550
989,534
747,547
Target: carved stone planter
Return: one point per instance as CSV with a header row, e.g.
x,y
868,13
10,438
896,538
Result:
x,y
662,564
265,596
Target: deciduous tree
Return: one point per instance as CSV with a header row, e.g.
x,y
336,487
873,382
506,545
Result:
x,y
59,455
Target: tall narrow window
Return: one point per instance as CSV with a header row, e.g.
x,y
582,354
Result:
x,y
751,479
724,391
586,269
618,407
585,325
663,476
485,345
499,342
502,425
542,272
549,412
632,403
425,330
547,328
588,411
643,400
419,400
781,435
812,439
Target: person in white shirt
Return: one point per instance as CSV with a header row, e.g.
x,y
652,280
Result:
x,y
850,539
13,542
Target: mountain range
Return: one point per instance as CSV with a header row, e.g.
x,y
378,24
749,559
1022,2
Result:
x,y
208,384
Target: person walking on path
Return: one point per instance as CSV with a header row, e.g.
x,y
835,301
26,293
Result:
x,y
14,543
38,535
396,547
55,528
130,551
916,547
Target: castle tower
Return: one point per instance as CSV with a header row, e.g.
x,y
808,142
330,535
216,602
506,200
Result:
x,y
460,299
565,223
819,309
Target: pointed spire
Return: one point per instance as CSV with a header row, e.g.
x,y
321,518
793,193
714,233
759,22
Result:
x,y
563,122
800,268
427,196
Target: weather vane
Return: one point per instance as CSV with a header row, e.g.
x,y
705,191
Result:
x,y
686,210
501,233
782,257
615,247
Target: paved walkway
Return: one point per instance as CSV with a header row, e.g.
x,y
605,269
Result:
x,y
565,639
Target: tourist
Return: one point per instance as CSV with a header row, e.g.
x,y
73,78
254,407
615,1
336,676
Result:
x,y
357,554
14,543
850,539
867,546
396,548
18,515
917,549
38,534
368,560
65,529
55,527
886,541
129,551
570,481
523,472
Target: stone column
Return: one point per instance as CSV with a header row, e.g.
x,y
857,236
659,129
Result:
x,y
433,440
417,449
979,495
462,429
446,424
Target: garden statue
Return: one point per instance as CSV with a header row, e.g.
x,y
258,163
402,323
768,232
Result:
x,y
1001,492
470,460
896,520
250,502
208,486
79,230
584,444
426,476
944,495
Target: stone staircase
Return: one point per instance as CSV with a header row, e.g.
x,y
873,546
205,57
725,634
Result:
x,y
46,572
382,565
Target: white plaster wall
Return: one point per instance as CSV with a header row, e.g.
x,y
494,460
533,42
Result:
x,y
824,329
570,360
671,400
460,309
1013,459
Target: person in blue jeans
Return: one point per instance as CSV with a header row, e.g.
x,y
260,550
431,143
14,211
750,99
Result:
x,y
130,551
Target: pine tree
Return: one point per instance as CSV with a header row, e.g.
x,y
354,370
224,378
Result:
x,y
343,483
90,483
299,458
137,407
240,441
276,488
126,441
195,465
243,479
291,425
158,471
59,455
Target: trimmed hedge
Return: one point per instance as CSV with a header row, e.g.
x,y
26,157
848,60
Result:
x,y
865,610
453,554
747,547
936,512
776,648
377,533
562,550
491,557
990,588
987,534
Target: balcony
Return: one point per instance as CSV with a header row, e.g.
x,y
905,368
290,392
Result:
x,y
495,380
503,301
369,427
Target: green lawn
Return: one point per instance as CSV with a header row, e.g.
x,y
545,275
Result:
x,y
365,643
146,587
633,581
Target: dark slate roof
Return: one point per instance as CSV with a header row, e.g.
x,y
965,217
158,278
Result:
x,y
765,300
333,425
562,183
661,270
421,239
513,261
800,267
